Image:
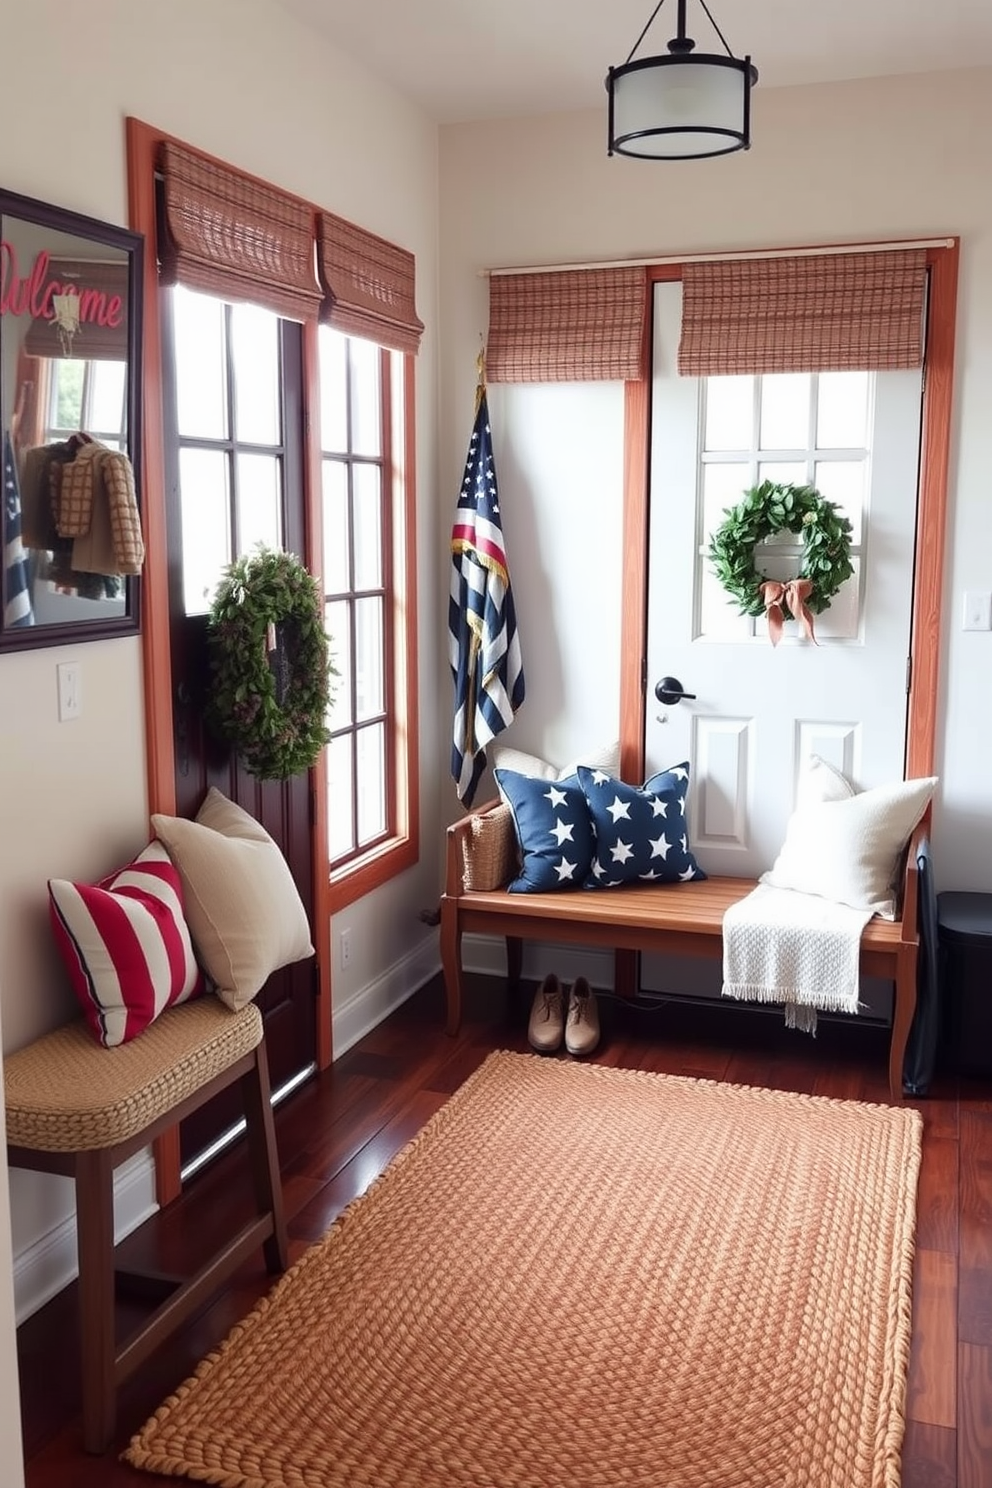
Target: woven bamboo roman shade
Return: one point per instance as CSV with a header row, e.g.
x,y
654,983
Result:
x,y
816,313
369,285
232,236
580,325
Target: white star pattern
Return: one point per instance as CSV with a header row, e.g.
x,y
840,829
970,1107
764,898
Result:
x,y
562,831
565,870
621,852
659,846
659,807
597,868
600,777
679,773
619,809
556,796
687,874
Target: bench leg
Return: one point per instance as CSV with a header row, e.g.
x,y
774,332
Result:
x,y
451,962
265,1158
902,1019
95,1250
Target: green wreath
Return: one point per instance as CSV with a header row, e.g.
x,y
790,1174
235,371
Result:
x,y
269,664
771,508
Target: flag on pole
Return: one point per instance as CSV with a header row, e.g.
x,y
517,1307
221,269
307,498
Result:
x,y
17,610
483,645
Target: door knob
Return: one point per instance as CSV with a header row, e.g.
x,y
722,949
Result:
x,y
669,690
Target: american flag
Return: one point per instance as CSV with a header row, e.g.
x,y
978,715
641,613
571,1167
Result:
x,y
483,645
17,610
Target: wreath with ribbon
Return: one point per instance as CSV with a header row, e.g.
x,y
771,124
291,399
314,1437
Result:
x,y
765,510
269,663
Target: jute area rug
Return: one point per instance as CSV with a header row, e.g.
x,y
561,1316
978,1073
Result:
x,y
582,1277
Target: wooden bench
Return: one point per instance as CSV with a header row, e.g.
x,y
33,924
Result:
x,y
679,919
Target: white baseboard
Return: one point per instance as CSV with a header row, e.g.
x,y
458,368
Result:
x,y
367,1008
49,1263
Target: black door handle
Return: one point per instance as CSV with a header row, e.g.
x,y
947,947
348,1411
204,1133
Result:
x,y
669,690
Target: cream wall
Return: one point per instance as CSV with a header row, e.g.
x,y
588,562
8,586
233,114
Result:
x,y
899,157
244,81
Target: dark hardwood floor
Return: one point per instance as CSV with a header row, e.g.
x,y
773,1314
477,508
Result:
x,y
337,1133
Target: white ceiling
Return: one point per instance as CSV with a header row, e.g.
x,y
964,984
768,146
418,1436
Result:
x,y
474,59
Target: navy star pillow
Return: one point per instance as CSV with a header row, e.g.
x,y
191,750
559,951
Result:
x,y
553,829
640,834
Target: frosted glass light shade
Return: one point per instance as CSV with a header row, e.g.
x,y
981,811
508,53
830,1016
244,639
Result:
x,y
680,107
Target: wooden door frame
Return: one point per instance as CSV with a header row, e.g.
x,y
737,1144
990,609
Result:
x,y
931,523
144,144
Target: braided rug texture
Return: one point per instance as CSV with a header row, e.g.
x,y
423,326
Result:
x,y
584,1277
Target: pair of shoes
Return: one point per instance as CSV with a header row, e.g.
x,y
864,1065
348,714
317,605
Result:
x,y
550,1020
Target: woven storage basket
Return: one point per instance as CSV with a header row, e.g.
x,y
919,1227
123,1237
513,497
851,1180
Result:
x,y
490,857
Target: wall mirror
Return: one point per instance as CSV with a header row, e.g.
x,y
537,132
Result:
x,y
70,374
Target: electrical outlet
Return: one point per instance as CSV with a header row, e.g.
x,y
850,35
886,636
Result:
x,y
70,693
345,944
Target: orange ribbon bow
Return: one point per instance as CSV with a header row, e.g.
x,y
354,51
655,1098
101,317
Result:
x,y
793,595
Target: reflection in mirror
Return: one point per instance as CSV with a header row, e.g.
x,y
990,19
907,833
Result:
x,y
69,398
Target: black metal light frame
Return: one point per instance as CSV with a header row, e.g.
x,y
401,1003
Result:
x,y
682,53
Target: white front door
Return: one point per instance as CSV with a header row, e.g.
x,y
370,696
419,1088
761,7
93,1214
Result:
x,y
759,710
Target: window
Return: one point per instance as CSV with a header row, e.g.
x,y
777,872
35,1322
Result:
x,y
360,554
230,393
794,428
86,395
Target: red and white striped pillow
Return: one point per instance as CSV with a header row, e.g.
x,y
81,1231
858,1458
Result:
x,y
126,945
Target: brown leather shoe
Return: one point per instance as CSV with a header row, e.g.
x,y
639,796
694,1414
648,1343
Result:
x,y
582,1022
547,1016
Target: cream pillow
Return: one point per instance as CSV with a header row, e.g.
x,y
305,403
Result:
x,y
820,781
242,906
604,757
849,850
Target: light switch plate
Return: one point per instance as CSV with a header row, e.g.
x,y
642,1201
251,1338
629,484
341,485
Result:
x,y
977,610
70,696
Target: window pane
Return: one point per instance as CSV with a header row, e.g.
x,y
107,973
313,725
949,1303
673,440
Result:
x,y
67,393
333,391
843,481
729,413
259,504
842,410
723,487
369,691
337,623
371,794
203,489
255,347
368,527
336,566
339,791
107,381
200,362
366,422
784,472
785,410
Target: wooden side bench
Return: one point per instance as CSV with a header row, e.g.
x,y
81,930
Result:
x,y
680,919
76,1108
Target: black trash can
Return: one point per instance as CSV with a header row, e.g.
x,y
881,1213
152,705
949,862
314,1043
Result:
x,y
965,929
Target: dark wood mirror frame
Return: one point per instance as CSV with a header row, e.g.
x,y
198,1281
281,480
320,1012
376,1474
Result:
x,y
70,320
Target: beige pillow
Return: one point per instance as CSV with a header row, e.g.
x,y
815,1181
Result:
x,y
820,781
604,757
242,906
849,850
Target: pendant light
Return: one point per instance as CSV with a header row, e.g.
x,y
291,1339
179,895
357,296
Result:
x,y
685,105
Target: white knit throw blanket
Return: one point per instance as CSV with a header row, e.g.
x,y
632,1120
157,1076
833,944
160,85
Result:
x,y
798,949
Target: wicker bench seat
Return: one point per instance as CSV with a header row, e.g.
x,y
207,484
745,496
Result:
x,y
76,1108
679,919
